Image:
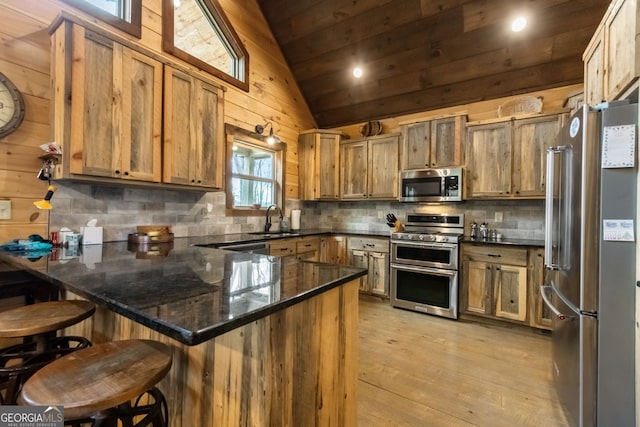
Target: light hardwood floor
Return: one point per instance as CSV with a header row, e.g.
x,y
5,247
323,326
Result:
x,y
420,370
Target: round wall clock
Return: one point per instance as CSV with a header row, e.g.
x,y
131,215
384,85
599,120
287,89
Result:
x,y
11,106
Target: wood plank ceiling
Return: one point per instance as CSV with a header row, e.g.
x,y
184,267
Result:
x,y
420,55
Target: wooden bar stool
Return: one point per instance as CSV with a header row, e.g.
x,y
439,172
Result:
x,y
37,323
99,384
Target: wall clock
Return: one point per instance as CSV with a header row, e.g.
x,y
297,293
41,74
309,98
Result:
x,y
11,106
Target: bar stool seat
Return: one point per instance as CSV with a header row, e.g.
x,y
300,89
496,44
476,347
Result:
x,y
37,323
98,383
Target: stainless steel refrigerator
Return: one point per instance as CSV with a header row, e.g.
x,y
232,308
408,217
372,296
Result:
x,y
590,260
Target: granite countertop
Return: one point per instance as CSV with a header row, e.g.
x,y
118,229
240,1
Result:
x,y
507,242
191,294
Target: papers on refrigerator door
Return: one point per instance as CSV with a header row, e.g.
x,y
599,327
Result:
x,y
618,146
618,230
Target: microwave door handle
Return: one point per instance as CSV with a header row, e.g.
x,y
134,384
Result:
x,y
554,213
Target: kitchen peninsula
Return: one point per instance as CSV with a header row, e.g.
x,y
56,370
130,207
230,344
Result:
x,y
258,340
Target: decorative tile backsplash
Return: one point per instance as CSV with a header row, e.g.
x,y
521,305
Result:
x,y
119,209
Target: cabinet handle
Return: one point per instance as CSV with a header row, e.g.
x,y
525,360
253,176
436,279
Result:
x,y
117,172
199,182
495,255
507,192
517,192
284,249
497,268
307,246
193,181
126,173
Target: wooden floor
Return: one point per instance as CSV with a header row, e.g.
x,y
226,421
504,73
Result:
x,y
421,370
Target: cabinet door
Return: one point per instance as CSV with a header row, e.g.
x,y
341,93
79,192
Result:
x,y
531,138
115,110
594,91
94,127
415,145
447,135
489,160
353,170
621,36
510,284
383,168
333,250
208,154
361,259
378,262
328,151
141,117
539,312
193,131
477,288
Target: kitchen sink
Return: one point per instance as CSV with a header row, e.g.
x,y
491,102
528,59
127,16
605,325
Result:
x,y
272,234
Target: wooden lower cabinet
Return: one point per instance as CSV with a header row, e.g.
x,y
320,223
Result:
x,y
372,254
333,249
503,283
303,248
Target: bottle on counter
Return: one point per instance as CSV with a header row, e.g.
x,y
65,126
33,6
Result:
x,y
484,231
474,231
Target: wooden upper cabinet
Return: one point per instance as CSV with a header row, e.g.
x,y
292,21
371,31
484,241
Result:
x,y
113,113
432,144
489,153
507,159
353,170
319,152
193,131
383,167
369,168
611,60
416,146
531,139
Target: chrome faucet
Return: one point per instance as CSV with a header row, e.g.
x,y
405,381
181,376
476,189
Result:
x,y
267,223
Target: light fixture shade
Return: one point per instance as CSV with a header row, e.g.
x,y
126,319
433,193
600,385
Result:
x,y
272,138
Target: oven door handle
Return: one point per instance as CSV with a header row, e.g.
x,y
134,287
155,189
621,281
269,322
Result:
x,y
441,272
424,244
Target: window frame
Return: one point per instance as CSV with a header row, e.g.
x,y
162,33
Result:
x,y
236,134
133,28
231,37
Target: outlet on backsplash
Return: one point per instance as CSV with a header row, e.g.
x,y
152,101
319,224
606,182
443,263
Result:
x,y
498,217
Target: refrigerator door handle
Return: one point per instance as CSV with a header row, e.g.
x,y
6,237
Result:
x,y
556,208
543,292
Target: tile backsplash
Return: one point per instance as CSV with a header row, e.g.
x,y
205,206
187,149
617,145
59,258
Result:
x,y
119,209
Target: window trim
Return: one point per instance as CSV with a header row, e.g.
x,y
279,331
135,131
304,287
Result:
x,y
133,28
233,134
227,30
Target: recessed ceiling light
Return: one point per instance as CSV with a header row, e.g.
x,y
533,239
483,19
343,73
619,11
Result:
x,y
357,72
518,24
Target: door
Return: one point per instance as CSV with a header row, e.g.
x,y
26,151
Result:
x,y
353,170
361,259
446,141
573,357
328,151
489,160
416,146
382,176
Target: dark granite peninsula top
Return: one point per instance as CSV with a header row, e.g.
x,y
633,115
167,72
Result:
x,y
191,294
507,242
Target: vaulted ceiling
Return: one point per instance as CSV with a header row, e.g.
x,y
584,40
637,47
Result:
x,y
420,55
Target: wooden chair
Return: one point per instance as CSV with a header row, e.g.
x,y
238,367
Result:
x,y
37,324
105,384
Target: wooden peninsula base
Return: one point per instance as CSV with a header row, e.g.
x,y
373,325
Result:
x,y
295,367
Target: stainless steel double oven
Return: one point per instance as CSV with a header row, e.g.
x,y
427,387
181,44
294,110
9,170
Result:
x,y
424,264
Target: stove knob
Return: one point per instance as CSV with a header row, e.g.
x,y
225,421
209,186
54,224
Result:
x,y
410,236
421,237
432,238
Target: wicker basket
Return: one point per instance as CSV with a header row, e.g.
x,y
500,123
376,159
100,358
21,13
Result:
x,y
519,106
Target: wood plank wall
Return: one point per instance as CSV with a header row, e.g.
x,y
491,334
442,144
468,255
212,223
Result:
x,y
24,58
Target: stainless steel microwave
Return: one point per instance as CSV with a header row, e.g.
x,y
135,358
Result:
x,y
431,185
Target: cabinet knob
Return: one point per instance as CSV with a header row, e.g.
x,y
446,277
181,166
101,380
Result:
x,y
117,172
126,173
507,192
193,181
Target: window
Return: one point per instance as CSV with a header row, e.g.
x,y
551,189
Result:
x,y
122,14
197,31
254,180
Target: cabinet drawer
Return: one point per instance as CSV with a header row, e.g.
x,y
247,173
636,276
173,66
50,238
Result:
x,y
308,245
368,244
282,248
495,254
